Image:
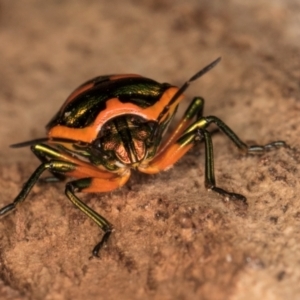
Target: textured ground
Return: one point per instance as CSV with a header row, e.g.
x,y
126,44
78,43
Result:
x,y
173,239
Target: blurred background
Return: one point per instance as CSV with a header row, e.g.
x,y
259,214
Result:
x,y
48,48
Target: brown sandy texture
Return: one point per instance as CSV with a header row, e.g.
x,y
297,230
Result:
x,y
172,239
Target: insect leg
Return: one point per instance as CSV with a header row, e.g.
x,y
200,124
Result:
x,y
204,122
77,186
210,181
53,166
43,153
83,169
195,109
94,185
108,183
197,132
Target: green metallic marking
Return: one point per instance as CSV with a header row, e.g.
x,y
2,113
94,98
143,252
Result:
x,y
78,150
186,139
78,186
204,122
194,109
84,108
53,166
234,138
197,132
210,181
44,151
141,93
201,123
58,166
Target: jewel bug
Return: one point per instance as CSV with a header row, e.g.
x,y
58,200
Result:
x,y
115,123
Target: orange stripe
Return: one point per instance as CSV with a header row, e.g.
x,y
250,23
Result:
x,y
166,159
106,185
89,84
115,108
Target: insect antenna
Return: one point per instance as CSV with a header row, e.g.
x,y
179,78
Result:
x,y
193,78
186,85
41,140
183,88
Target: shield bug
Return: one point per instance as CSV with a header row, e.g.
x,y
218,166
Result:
x,y
115,123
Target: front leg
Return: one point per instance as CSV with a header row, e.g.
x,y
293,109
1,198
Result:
x,y
95,185
44,154
194,110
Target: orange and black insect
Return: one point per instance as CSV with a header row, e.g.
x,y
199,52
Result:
x,y
112,124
